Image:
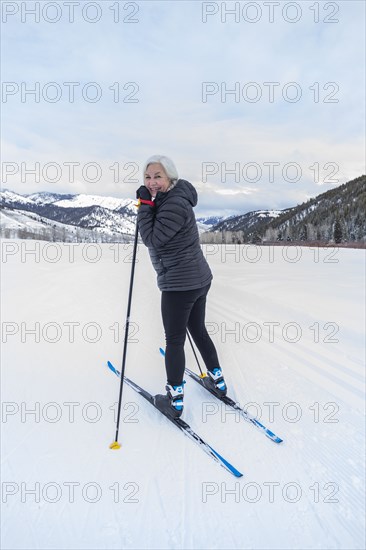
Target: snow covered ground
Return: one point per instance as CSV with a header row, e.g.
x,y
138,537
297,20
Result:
x,y
288,324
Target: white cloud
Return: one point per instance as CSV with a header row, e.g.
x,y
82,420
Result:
x,y
244,191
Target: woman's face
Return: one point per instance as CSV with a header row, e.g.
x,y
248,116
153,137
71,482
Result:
x,y
156,179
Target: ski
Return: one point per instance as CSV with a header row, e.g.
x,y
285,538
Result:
x,y
231,403
183,426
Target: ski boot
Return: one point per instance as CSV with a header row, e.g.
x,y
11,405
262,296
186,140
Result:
x,y
215,382
172,402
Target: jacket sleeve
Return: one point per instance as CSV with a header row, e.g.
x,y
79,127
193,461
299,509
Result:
x,y
157,228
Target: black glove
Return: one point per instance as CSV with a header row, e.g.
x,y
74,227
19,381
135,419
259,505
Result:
x,y
143,193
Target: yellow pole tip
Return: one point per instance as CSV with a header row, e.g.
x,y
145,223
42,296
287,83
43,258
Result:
x,y
115,445
203,375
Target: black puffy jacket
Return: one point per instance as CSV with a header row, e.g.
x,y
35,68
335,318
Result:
x,y
169,230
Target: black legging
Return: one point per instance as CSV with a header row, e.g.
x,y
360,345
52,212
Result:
x,y
181,310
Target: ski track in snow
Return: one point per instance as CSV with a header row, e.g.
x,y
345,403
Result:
x,y
170,494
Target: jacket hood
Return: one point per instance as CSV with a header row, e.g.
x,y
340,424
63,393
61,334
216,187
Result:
x,y
185,189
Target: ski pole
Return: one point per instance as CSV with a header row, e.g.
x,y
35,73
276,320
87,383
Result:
x,y
202,375
115,444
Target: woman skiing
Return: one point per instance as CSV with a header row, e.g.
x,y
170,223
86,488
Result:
x,y
167,226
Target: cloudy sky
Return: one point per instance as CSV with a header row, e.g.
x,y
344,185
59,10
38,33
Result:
x,y
115,82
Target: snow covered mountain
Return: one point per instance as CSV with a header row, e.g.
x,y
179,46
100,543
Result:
x,y
22,224
210,221
313,220
244,222
15,200
106,216
48,198
86,201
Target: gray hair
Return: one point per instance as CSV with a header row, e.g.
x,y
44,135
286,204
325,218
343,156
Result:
x,y
166,163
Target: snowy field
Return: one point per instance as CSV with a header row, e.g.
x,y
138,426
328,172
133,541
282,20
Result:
x,y
288,324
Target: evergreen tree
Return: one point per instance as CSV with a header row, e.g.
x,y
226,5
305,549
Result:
x,y
337,232
304,233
